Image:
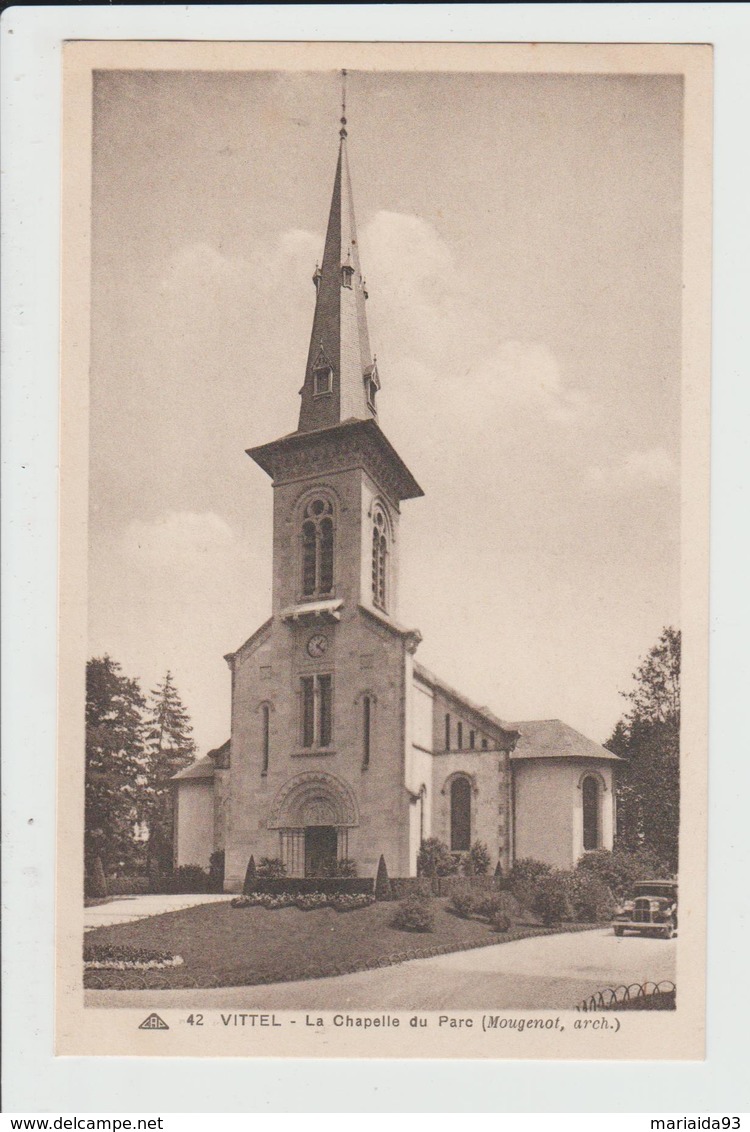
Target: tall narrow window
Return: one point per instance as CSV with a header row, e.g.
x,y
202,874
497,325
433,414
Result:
x,y
366,730
460,814
317,711
317,549
308,711
591,830
379,559
460,736
324,711
266,736
472,739
447,731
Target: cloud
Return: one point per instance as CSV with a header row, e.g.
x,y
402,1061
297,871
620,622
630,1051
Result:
x,y
528,374
652,467
202,267
179,540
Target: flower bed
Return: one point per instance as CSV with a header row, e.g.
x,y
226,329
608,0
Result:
x,y
113,957
306,902
299,886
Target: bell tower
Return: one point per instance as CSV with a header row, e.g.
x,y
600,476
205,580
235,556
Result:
x,y
338,482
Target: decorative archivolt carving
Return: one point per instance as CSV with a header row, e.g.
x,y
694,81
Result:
x,y
314,798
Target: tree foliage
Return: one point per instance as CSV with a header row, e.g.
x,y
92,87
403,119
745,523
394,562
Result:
x,y
115,757
169,749
647,738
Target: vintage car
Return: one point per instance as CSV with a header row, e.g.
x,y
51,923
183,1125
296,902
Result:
x,y
652,910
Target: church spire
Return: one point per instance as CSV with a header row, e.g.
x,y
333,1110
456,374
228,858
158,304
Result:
x,y
341,379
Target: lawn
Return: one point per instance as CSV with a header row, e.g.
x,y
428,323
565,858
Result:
x,y
225,946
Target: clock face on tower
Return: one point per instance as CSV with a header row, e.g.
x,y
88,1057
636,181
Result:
x,y
317,645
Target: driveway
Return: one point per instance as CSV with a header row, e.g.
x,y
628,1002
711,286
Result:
x,y
549,972
126,908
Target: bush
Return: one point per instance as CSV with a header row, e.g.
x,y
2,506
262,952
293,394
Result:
x,y
489,906
501,921
188,878
591,899
551,900
463,904
620,869
436,860
271,867
524,879
250,875
477,862
414,915
120,957
344,867
382,883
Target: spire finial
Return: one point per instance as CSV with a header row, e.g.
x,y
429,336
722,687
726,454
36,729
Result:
x,y
342,131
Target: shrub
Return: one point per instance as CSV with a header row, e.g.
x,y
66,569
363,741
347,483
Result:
x,y
463,904
344,867
382,883
489,906
250,875
414,915
436,860
476,863
524,879
188,878
271,867
551,899
501,921
619,869
591,899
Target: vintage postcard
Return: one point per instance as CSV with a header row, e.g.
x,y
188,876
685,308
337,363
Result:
x,y
384,550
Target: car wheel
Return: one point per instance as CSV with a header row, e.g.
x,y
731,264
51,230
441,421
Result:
x,y
670,931
619,931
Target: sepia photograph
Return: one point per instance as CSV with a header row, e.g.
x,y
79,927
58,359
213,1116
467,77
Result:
x,y
384,480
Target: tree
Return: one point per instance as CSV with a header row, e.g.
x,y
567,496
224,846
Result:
x,y
647,738
115,756
169,749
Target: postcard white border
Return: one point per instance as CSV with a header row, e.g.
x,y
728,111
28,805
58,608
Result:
x,y
34,1079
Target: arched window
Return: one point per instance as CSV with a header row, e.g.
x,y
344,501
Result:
x,y
317,548
460,814
591,792
366,730
266,723
379,559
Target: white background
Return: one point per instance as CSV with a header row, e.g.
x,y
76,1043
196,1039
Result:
x,y
34,1081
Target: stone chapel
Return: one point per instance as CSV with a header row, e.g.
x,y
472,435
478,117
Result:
x,y
342,744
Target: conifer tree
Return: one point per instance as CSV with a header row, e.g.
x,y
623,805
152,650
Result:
x,y
115,756
169,749
647,738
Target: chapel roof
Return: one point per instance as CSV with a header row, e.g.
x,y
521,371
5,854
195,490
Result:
x,y
203,768
553,739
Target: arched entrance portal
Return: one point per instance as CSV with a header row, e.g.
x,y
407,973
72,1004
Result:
x,y
313,813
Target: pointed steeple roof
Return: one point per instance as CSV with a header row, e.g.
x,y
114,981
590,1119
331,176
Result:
x,y
341,377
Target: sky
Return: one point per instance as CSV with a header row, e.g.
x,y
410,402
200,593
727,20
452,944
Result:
x,y
521,240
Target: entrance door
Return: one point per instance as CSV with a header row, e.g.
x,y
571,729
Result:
x,y
321,844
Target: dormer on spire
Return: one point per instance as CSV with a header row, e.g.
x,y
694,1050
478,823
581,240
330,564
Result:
x,y
340,323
